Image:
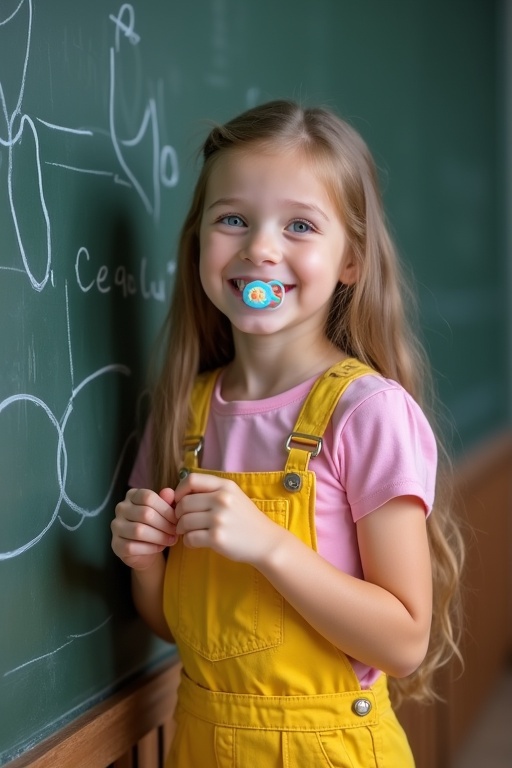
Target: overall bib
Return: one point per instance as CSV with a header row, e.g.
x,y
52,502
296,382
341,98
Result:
x,y
260,686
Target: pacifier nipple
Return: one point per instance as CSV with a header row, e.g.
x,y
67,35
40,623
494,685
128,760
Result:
x,y
261,295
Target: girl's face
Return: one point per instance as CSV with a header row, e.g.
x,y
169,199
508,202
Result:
x,y
266,217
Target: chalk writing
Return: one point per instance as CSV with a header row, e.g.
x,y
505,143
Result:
x,y
14,137
70,639
103,278
24,147
22,126
165,159
61,458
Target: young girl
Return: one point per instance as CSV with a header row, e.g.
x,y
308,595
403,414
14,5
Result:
x,y
292,468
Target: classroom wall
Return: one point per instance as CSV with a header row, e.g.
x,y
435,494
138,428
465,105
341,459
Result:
x,y
506,47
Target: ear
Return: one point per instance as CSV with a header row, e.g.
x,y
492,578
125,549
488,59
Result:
x,y
349,272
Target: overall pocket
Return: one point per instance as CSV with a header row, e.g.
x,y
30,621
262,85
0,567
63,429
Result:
x,y
348,748
225,608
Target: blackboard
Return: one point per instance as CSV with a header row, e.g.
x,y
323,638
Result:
x,y
102,105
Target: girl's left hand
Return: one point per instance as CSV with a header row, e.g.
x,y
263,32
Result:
x,y
214,512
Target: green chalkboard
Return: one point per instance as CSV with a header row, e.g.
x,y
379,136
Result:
x,y
102,106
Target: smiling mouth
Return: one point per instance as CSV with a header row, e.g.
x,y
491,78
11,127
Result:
x,y
240,284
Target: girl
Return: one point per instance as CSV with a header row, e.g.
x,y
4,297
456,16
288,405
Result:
x,y
291,466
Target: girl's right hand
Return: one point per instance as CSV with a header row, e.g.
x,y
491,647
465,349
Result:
x,y
144,525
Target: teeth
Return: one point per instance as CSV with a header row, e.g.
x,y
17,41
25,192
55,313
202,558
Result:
x,y
240,284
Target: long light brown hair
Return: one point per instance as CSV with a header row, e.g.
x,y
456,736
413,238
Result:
x,y
369,320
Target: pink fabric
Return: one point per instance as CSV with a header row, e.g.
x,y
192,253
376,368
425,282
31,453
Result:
x,y
378,446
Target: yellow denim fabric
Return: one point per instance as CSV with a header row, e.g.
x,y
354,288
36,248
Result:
x,y
260,686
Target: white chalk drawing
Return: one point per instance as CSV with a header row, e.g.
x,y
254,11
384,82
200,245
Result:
x,y
20,125
165,159
69,639
165,166
61,460
37,264
25,127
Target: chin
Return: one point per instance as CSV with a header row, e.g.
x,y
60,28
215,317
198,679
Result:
x,y
255,326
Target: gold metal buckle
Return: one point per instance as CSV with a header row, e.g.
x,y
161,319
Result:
x,y
311,443
194,444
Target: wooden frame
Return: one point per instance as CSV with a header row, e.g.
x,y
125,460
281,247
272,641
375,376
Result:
x,y
483,494
133,727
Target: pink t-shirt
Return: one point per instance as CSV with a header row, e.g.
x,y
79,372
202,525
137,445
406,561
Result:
x,y
377,446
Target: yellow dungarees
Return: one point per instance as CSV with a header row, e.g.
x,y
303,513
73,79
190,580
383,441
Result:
x,y
260,687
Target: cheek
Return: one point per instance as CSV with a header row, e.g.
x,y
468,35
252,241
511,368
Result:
x,y
205,276
210,251
204,267
318,267
210,267
206,254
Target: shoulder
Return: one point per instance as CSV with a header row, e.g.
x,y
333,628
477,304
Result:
x,y
376,401
384,444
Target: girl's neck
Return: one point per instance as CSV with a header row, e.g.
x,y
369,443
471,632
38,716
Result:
x,y
262,367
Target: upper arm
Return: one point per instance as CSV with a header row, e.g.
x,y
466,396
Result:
x,y
395,555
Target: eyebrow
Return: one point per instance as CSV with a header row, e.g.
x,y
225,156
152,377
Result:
x,y
225,201
290,202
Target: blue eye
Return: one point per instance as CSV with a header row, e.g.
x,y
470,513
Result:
x,y
233,220
300,227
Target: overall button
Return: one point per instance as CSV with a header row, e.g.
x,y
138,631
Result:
x,y
292,482
361,707
183,473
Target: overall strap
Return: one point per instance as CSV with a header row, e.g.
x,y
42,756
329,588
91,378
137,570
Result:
x,y
199,409
305,441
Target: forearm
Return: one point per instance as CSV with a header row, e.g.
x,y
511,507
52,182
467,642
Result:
x,y
383,620
147,592
362,619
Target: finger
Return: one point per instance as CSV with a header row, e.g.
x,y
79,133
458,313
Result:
x,y
128,513
143,497
167,494
135,555
193,502
126,548
197,482
194,521
196,539
140,531
145,504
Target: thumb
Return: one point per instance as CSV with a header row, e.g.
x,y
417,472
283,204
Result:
x,y
167,494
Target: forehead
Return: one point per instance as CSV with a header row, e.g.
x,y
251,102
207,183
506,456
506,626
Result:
x,y
245,171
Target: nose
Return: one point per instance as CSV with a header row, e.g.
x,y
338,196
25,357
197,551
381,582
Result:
x,y
261,247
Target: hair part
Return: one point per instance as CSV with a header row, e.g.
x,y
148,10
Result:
x,y
372,320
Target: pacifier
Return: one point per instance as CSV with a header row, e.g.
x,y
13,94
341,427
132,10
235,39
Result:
x,y
261,295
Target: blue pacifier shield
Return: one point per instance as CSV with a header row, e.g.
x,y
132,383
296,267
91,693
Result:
x,y
261,295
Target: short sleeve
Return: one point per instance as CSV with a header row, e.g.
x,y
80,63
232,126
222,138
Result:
x,y
140,476
387,449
